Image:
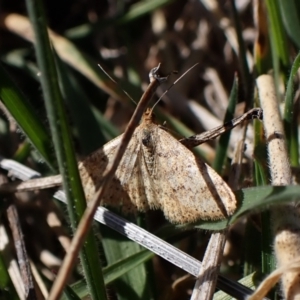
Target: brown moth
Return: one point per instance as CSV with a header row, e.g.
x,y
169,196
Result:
x,y
158,172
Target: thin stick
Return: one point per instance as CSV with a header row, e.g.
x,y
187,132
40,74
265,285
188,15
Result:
x,y
117,83
21,252
196,140
87,217
31,185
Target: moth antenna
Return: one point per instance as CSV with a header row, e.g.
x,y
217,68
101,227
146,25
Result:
x,y
116,84
167,90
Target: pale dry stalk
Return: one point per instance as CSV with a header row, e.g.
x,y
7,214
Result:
x,y
285,218
206,282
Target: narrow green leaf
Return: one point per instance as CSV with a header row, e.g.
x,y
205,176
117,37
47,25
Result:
x,y
224,139
247,81
141,8
22,153
133,284
26,117
62,141
291,19
262,48
290,125
114,271
70,294
82,116
279,43
250,281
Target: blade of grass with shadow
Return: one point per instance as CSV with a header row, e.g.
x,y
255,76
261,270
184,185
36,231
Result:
x,y
86,126
263,58
260,178
289,10
114,271
224,139
26,117
290,124
134,283
63,146
247,81
279,42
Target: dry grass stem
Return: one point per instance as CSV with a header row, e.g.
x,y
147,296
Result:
x,y
285,218
21,252
206,282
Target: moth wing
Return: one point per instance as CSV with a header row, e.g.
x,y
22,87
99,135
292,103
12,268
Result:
x,y
135,183
187,188
123,183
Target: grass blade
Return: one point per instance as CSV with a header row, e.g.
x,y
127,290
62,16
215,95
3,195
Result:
x,y
224,139
63,145
26,117
290,124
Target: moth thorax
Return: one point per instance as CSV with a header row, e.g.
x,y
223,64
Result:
x,y
148,145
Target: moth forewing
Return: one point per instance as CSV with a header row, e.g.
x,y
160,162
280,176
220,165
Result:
x,y
92,171
189,189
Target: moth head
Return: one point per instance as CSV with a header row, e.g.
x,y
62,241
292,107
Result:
x,y
148,116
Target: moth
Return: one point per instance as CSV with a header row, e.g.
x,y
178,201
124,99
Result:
x,y
158,172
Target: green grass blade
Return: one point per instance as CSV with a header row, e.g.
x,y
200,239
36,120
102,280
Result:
x,y
262,48
243,64
290,124
291,19
26,117
250,281
115,271
279,43
134,284
142,8
260,177
224,139
70,294
63,146
82,115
